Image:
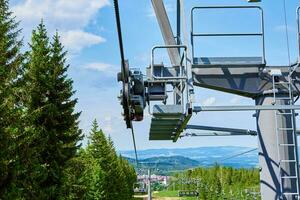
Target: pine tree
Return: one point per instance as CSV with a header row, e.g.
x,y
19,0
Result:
x,y
10,65
52,123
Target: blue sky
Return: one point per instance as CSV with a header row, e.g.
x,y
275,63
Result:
x,y
88,32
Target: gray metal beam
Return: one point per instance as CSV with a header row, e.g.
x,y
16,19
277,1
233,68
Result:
x,y
166,29
210,134
214,134
244,108
178,22
228,131
271,154
246,79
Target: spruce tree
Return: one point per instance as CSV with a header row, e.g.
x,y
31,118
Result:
x,y
99,150
51,119
10,65
82,178
114,180
120,185
65,120
130,177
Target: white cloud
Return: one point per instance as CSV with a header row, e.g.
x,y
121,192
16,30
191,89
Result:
x,y
106,69
209,101
69,17
102,67
76,40
73,14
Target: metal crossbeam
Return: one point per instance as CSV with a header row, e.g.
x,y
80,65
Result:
x,y
197,109
218,131
224,131
167,32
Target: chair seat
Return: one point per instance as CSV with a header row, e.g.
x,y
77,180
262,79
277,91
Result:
x,y
228,61
167,122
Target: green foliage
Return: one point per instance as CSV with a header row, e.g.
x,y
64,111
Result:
x,y
10,68
218,183
102,175
40,155
51,130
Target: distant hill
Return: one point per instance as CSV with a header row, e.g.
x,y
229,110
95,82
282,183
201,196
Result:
x,y
166,164
178,159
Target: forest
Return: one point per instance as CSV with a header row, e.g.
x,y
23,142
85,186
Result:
x,y
41,156
218,183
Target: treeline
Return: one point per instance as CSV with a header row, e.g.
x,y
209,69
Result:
x,y
98,173
40,153
219,183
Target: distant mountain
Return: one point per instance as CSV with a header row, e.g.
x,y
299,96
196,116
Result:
x,y
166,164
202,156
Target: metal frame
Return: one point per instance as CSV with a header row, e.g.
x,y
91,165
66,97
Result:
x,y
222,134
178,22
181,62
181,128
298,29
228,131
213,134
183,76
262,33
197,109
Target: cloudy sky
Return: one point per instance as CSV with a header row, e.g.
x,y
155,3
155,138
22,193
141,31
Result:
x,y
88,31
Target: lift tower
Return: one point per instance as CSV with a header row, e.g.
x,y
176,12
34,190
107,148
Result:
x,y
273,89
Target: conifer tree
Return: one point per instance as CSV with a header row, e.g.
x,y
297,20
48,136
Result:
x,y
76,179
99,150
130,177
64,118
51,119
120,185
10,65
114,180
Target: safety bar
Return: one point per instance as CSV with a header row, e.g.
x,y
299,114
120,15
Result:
x,y
181,77
298,35
262,33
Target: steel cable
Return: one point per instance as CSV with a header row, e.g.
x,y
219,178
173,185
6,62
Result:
x,y
119,30
134,145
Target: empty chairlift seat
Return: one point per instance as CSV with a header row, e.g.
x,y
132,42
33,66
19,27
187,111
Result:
x,y
168,122
228,61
